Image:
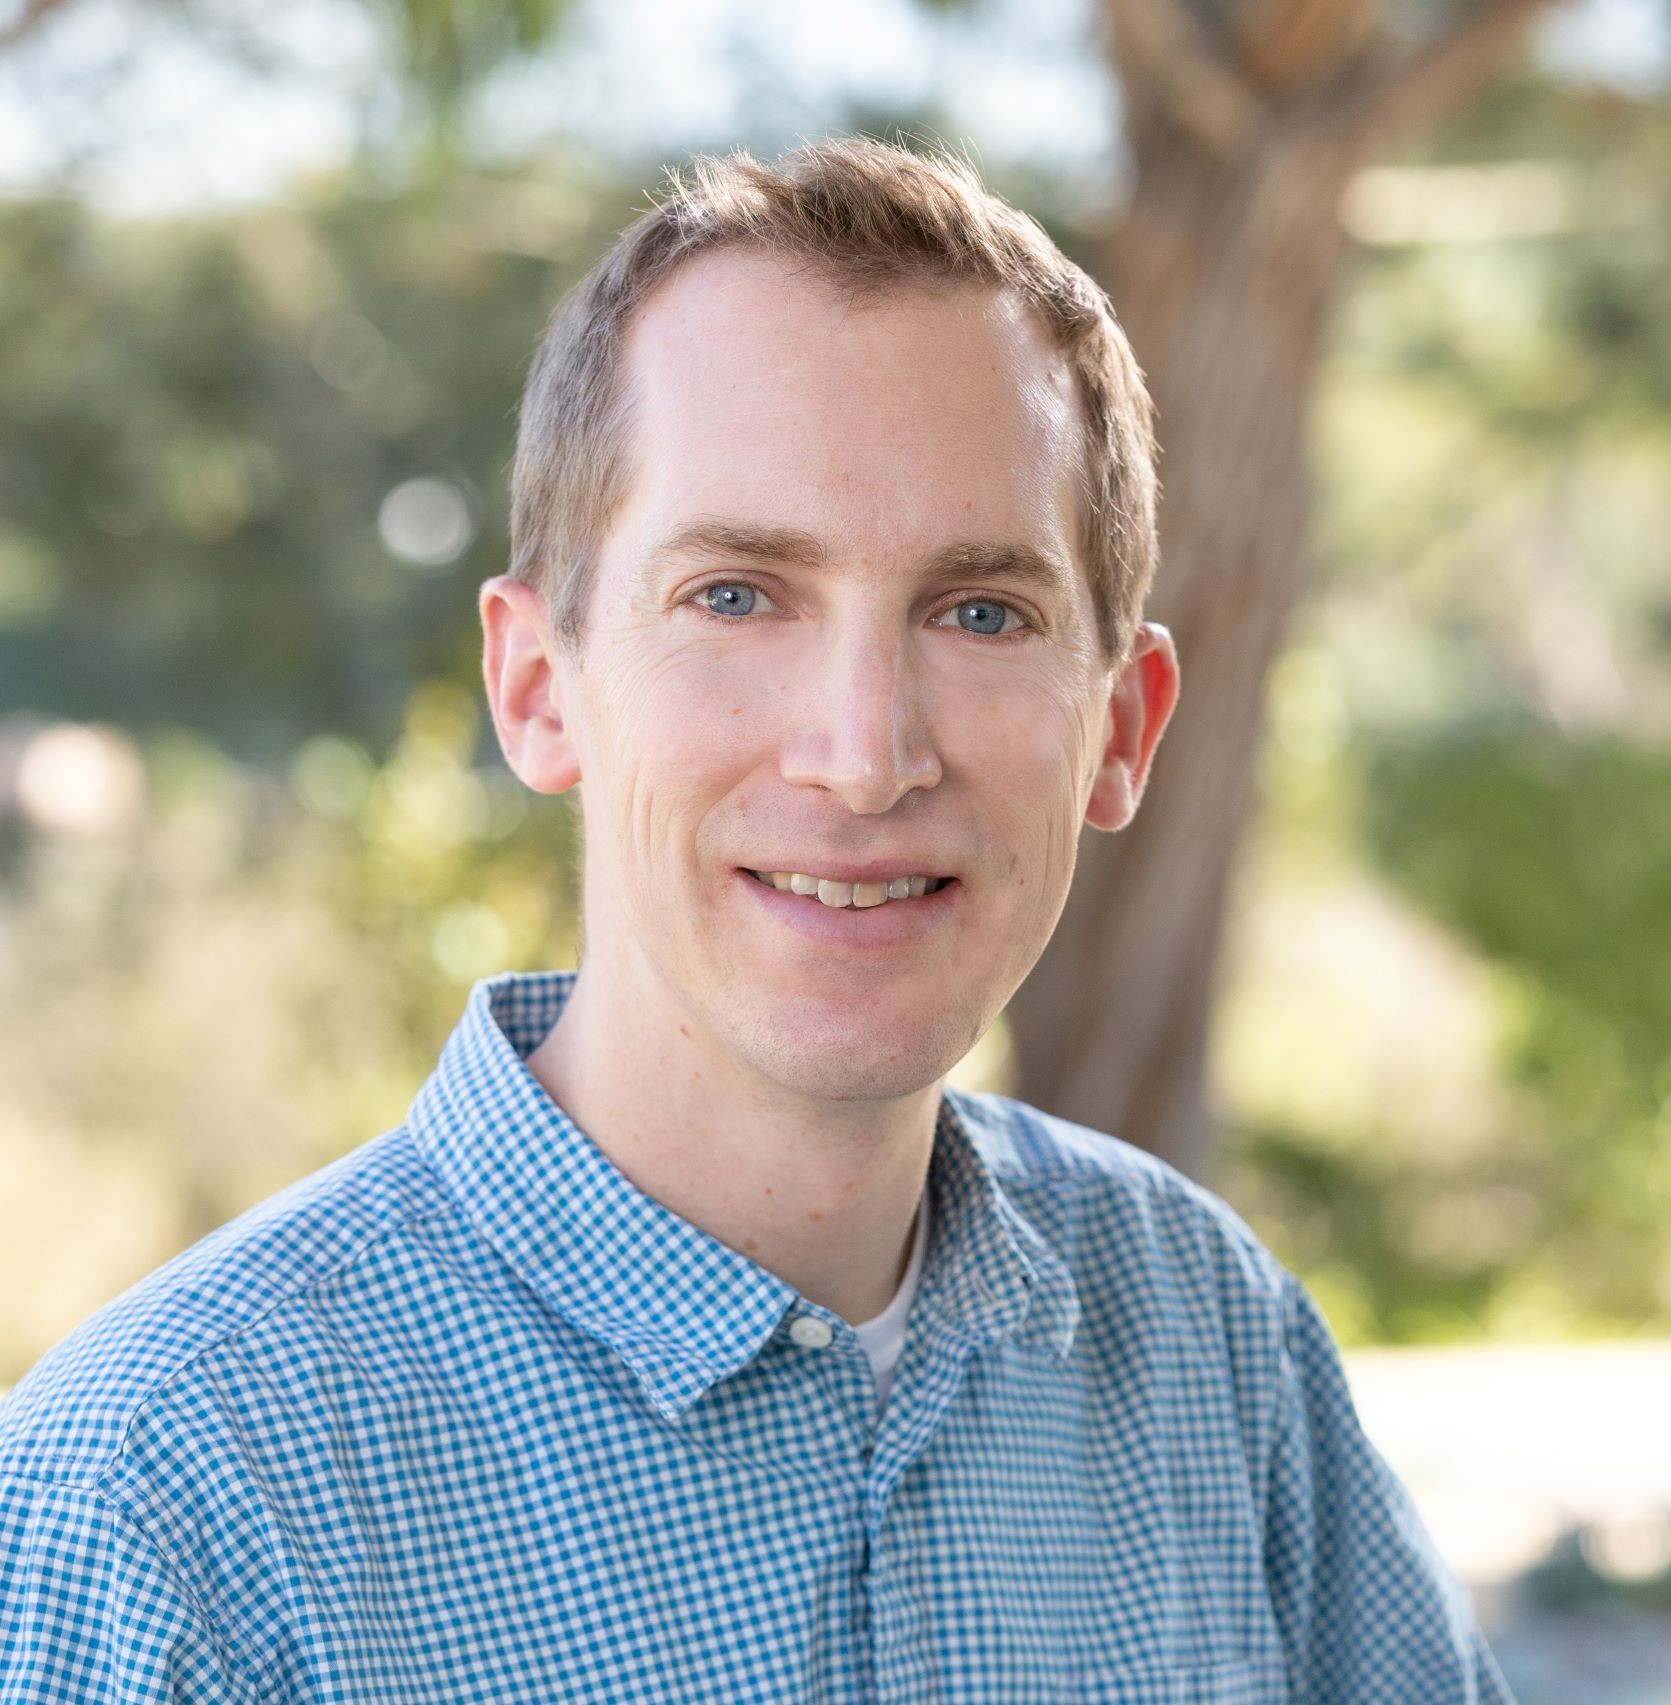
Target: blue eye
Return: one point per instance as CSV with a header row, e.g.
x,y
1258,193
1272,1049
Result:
x,y
988,617
730,598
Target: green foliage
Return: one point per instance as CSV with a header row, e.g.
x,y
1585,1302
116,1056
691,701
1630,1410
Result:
x,y
1567,1579
1421,1210
447,49
1554,333
1353,1220
1549,855
449,45
203,420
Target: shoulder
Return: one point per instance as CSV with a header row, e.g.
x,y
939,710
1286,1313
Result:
x,y
68,1418
1106,1206
1175,1294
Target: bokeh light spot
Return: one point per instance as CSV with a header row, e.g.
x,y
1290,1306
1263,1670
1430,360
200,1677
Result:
x,y
425,522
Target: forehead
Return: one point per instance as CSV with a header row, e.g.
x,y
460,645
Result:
x,y
926,415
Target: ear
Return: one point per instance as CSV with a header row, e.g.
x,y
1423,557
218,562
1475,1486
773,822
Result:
x,y
1139,707
525,678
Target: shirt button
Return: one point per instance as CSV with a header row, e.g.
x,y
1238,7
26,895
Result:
x,y
810,1332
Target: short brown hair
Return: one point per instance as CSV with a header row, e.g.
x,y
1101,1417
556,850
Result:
x,y
868,216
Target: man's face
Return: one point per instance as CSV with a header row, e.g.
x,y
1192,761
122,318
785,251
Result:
x,y
836,703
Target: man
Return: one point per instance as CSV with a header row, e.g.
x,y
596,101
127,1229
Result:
x,y
692,1340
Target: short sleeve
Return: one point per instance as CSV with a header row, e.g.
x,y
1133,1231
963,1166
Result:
x,y
89,1609
1369,1613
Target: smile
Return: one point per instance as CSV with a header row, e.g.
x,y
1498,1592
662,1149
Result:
x,y
830,917
830,892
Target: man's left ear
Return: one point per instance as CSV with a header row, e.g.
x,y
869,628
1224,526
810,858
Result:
x,y
1139,707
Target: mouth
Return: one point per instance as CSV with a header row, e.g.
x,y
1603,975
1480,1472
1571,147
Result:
x,y
836,895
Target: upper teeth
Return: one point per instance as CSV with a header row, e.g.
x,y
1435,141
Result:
x,y
833,893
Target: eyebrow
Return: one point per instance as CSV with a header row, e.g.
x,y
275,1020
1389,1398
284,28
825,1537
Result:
x,y
743,540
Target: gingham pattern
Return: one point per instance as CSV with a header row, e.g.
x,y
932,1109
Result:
x,y
466,1417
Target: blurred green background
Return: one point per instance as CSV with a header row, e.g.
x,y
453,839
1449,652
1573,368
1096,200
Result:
x,y
262,332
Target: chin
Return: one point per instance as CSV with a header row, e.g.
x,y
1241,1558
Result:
x,y
855,1061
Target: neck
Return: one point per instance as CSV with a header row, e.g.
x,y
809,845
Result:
x,y
821,1193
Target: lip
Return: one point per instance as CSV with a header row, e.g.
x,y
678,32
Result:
x,y
877,870
895,923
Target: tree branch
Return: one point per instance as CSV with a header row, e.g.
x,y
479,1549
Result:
x,y
1164,64
1429,82
1289,45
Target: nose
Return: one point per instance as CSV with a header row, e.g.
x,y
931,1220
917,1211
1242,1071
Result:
x,y
863,729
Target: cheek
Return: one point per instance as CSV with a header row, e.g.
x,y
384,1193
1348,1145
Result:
x,y
1030,741
672,731
1026,754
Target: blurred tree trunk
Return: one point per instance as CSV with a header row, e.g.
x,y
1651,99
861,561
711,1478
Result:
x,y
1246,120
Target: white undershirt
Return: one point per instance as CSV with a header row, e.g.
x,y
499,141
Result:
x,y
884,1337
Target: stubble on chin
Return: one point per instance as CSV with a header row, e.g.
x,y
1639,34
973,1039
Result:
x,y
830,1060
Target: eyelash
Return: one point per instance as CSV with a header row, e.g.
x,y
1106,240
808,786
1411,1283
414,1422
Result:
x,y
694,600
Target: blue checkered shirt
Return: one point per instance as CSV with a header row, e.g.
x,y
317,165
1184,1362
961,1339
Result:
x,y
466,1416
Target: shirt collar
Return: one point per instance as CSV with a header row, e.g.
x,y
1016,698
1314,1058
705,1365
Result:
x,y
682,1309
990,1272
